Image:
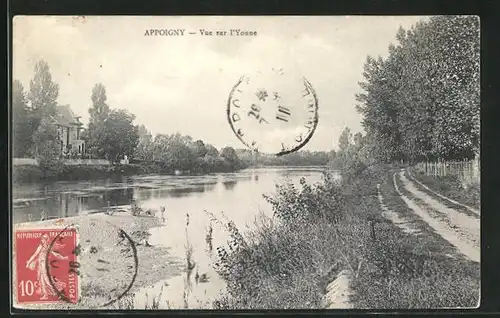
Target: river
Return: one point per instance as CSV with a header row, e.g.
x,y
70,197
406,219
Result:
x,y
237,196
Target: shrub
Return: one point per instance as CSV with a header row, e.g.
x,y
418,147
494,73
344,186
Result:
x,y
287,262
320,201
279,264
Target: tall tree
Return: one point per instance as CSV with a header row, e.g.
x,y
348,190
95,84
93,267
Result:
x,y
345,139
99,112
100,108
21,134
43,91
422,101
42,96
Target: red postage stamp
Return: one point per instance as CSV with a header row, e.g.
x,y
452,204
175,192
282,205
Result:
x,y
46,265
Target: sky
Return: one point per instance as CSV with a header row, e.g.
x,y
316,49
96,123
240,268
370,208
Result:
x,y
175,83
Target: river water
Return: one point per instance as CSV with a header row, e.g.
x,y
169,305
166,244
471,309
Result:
x,y
236,196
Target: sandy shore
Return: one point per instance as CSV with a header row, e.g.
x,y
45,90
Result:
x,y
106,271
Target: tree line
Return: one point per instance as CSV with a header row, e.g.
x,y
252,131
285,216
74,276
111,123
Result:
x,y
297,158
422,102
111,134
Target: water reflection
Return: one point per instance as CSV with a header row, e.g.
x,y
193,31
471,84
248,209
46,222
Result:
x,y
229,184
70,198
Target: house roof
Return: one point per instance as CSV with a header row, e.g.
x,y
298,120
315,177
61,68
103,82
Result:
x,y
65,116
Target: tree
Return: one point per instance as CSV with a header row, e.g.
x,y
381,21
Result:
x,y
143,131
200,148
99,109
43,92
347,159
99,112
145,147
175,151
345,140
47,147
422,101
21,135
42,97
358,140
230,156
118,135
211,150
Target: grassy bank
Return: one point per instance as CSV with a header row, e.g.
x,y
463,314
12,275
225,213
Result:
x,y
451,187
102,274
326,228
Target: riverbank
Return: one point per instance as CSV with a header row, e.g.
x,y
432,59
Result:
x,y
103,270
32,173
391,267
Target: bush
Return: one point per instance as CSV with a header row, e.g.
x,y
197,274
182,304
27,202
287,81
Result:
x,y
280,267
319,230
322,201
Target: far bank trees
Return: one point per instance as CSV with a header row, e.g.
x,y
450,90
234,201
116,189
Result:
x,y
111,132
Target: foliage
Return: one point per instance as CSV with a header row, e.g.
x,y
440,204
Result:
x,y
47,147
288,264
29,109
43,91
200,148
353,155
230,156
178,152
211,151
145,147
98,114
276,269
120,136
20,121
422,101
297,158
320,201
111,132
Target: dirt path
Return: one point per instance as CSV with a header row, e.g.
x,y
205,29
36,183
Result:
x,y
465,232
394,217
473,210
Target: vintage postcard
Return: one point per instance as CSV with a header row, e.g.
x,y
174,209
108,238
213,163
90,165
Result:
x,y
257,162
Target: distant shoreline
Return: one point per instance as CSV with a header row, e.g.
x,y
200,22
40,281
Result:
x,y
22,174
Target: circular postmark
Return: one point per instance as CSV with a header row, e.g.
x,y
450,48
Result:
x,y
101,269
273,112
